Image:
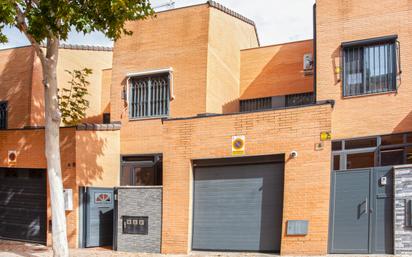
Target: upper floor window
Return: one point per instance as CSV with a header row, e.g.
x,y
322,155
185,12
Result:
x,y
3,115
369,66
149,95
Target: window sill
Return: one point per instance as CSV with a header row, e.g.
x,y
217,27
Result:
x,y
371,94
149,118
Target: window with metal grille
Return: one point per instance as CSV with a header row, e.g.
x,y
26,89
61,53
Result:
x,y
256,104
266,103
300,99
369,68
3,115
149,96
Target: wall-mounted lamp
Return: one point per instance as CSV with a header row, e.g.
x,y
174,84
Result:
x,y
293,154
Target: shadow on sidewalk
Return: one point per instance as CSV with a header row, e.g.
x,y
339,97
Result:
x,y
21,249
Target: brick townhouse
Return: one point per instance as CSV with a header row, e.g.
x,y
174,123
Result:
x,y
286,148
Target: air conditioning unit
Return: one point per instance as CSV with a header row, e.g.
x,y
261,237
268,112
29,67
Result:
x,y
308,64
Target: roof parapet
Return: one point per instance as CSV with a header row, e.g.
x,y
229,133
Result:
x,y
230,12
86,47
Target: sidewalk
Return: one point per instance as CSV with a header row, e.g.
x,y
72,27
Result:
x,y
18,249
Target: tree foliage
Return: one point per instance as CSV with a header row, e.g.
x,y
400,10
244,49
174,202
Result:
x,y
41,19
72,101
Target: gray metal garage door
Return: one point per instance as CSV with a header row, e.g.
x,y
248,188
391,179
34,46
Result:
x,y
23,204
238,207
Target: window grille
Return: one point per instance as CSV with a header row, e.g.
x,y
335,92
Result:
x,y
3,115
369,69
300,99
149,96
267,103
256,104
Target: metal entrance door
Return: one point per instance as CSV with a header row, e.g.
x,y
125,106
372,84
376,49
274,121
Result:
x,y
98,215
362,211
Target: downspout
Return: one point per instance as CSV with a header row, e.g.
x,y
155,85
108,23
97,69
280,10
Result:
x,y
314,55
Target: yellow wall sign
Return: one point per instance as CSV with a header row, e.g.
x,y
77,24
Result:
x,y
324,136
238,145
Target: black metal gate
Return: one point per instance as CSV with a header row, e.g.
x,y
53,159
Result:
x,y
362,211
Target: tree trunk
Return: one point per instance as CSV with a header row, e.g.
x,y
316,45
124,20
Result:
x,y
52,138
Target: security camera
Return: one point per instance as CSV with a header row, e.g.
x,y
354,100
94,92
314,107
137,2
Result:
x,y
293,154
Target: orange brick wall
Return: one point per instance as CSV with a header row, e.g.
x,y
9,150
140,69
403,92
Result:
x,y
176,39
275,70
16,67
202,44
71,59
227,36
37,95
347,20
21,82
100,166
105,95
307,178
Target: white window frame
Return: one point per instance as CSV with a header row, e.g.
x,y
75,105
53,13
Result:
x,y
131,75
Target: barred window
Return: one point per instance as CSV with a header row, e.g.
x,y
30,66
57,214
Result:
x,y
267,103
149,96
300,99
369,68
3,115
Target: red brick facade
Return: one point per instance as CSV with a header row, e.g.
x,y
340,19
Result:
x,y
216,61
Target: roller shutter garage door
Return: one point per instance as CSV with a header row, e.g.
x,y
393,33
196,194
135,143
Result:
x,y
23,204
238,207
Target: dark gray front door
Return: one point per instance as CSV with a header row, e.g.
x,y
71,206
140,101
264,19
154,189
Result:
x,y
361,211
238,207
99,217
23,204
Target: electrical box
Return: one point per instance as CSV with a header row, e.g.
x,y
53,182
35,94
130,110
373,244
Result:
x,y
68,199
297,227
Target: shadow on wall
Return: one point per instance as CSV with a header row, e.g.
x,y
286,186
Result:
x,y
282,74
231,107
16,67
97,119
29,149
405,124
91,150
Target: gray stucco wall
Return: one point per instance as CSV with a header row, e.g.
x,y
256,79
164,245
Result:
x,y
403,193
140,201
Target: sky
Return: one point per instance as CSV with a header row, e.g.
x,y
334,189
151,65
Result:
x,y
277,21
